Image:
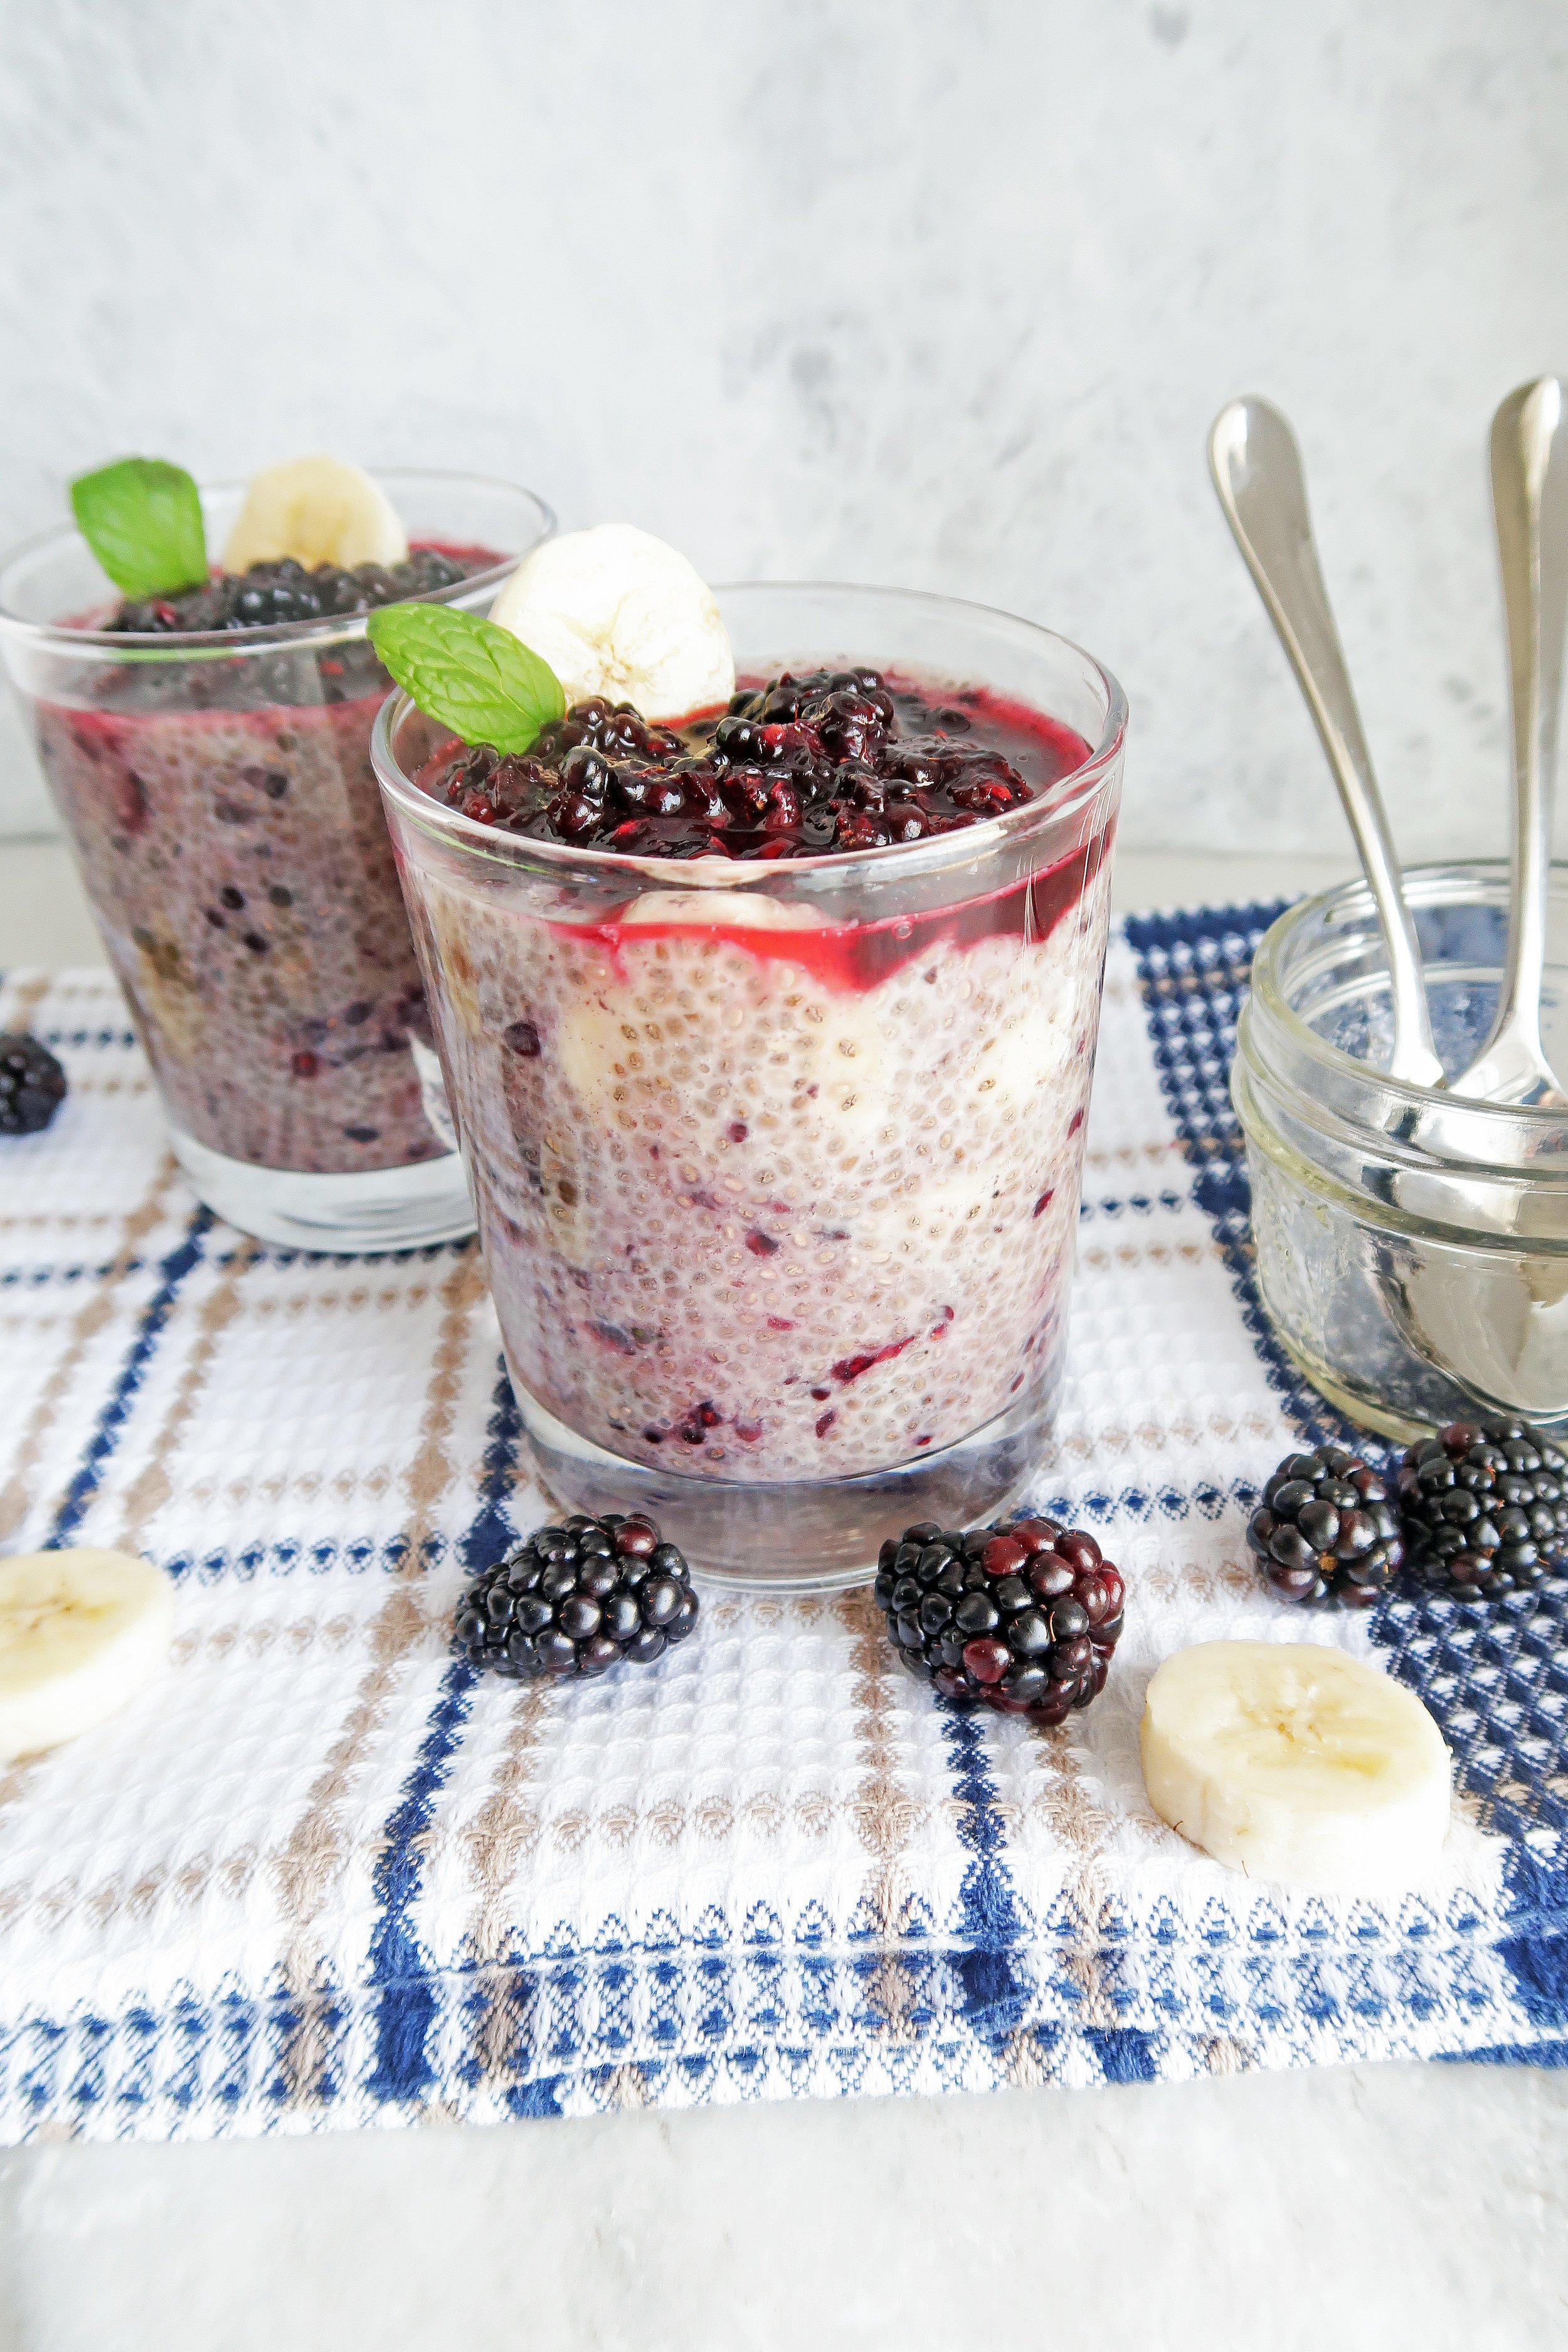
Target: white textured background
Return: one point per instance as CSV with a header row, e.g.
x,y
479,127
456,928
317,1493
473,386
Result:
x,y
938,295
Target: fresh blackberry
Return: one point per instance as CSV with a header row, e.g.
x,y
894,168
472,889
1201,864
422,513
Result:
x,y
1486,1507
1024,1614
269,594
32,1084
1327,1530
578,1597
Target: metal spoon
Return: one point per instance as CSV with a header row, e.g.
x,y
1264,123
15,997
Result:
x,y
1257,470
1529,498
1498,1321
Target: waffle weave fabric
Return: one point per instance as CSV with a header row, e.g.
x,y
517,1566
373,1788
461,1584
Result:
x,y
319,1874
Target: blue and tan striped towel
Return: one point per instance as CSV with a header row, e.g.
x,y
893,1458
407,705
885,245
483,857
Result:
x,y
317,1874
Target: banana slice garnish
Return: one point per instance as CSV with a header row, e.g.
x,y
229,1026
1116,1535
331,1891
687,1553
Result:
x,y
738,910
317,510
617,612
80,1633
1293,1761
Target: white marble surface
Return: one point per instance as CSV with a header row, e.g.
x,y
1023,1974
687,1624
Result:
x,y
1370,2209
940,296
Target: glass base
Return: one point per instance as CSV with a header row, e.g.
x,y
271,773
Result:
x,y
1407,1423
384,1209
802,1534
1367,1411
1375,1412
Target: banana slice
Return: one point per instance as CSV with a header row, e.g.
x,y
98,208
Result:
x,y
617,612
81,1631
1289,1761
317,510
735,910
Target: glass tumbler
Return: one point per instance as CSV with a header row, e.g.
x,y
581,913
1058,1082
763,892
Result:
x,y
777,1165
218,795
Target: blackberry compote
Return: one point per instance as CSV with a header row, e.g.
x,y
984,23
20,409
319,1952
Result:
x,y
1025,1614
1485,1507
208,752
1326,1530
797,767
577,1598
272,595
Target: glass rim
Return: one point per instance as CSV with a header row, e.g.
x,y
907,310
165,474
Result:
x,y
1066,796
1316,1074
326,628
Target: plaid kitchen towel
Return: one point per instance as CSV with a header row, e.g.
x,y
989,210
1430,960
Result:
x,y
317,1873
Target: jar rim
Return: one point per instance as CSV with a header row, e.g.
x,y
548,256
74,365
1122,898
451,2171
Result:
x,y
331,628
1068,794
1329,1089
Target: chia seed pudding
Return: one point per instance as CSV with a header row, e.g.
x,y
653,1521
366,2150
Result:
x,y
208,752
775,1184
229,831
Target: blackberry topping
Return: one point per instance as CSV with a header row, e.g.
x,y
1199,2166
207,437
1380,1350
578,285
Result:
x,y
1024,1614
840,760
1327,1530
1486,1507
292,674
32,1084
272,592
577,1598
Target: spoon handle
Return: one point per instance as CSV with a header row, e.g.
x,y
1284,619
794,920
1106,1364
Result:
x,y
1257,470
1529,497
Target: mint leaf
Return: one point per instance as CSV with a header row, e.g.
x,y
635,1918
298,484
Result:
x,y
475,678
142,520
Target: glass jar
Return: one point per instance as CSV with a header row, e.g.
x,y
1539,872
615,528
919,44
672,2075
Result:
x,y
1411,1247
777,1165
218,792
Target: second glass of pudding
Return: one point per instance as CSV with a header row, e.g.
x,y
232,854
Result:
x,y
216,790
777,1162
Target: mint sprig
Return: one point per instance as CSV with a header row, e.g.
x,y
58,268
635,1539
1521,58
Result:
x,y
478,679
142,520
